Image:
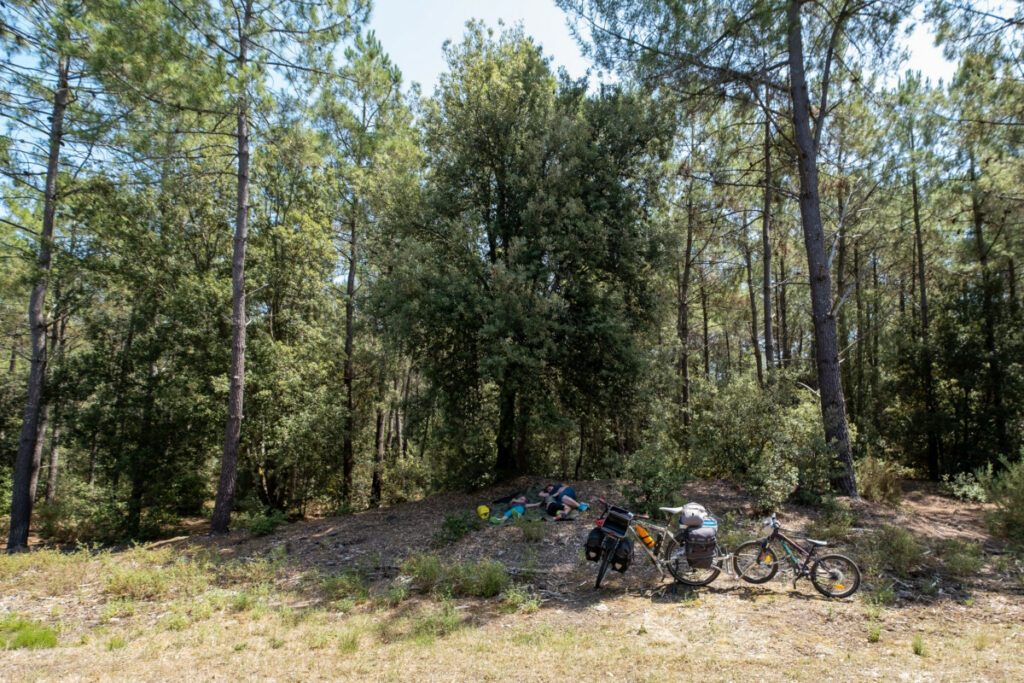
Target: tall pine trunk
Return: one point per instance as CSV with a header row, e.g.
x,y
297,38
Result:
x,y
348,439
683,324
826,352
766,248
233,428
21,494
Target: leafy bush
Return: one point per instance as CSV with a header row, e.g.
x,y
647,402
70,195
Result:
x,y
1006,491
81,513
893,549
455,526
879,480
966,486
267,523
769,440
962,558
835,520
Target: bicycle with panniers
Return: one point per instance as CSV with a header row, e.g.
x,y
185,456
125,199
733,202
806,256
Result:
x,y
833,575
686,548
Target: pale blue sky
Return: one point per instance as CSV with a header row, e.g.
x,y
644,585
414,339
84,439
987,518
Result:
x,y
412,32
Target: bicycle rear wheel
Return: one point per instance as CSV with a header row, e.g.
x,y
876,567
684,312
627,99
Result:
x,y
835,576
674,556
755,562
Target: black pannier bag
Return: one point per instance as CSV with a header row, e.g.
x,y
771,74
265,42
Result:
x,y
593,545
700,546
623,555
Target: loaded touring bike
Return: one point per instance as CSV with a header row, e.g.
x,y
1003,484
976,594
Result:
x,y
686,548
833,575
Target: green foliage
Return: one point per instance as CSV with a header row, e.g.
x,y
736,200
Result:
x,y
962,558
1006,492
18,632
892,549
834,521
267,523
967,486
481,578
456,525
519,599
348,585
770,441
879,480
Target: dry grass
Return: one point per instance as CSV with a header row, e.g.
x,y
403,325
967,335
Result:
x,y
235,608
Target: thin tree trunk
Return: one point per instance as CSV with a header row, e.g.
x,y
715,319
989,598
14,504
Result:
x,y
707,339
753,314
833,408
233,427
784,342
377,482
347,448
683,303
51,479
579,458
21,494
37,451
989,289
926,352
766,249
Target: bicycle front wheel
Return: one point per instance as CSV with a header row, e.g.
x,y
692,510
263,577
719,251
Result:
x,y
606,557
674,556
835,576
755,562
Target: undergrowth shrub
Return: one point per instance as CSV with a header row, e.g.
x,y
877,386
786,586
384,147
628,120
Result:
x,y
962,558
267,523
1006,491
456,525
480,578
346,586
519,599
835,520
967,486
534,530
768,440
891,549
879,480
81,513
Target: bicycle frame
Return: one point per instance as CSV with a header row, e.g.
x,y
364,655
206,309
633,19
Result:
x,y
788,545
659,533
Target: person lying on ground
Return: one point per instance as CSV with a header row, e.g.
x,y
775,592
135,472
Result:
x,y
518,508
561,500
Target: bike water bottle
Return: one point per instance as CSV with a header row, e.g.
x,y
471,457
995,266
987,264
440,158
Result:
x,y
644,536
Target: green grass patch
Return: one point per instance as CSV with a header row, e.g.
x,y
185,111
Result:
x,y
18,632
962,558
348,585
519,599
456,525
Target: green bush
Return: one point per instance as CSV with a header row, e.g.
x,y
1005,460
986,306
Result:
x,y
962,558
17,632
835,520
455,526
967,486
346,586
893,549
1006,491
534,530
267,523
769,440
81,513
879,480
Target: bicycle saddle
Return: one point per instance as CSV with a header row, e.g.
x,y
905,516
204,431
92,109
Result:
x,y
672,511
816,542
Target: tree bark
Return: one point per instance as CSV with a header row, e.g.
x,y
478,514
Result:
x,y
707,339
21,498
932,454
347,448
826,353
754,346
233,428
766,248
683,324
377,482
